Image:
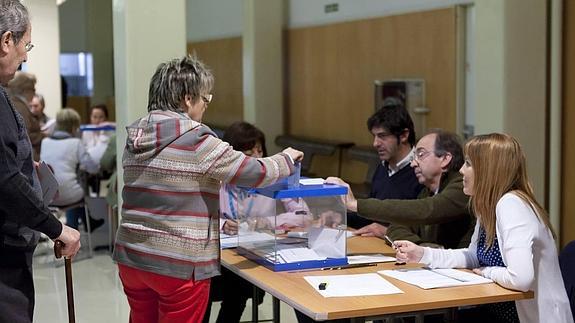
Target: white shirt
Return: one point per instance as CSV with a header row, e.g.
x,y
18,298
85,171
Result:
x,y
64,156
530,256
406,161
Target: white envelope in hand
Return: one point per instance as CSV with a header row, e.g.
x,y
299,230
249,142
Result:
x,y
327,242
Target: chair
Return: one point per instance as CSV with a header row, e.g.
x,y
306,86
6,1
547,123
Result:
x,y
567,264
311,147
97,208
369,156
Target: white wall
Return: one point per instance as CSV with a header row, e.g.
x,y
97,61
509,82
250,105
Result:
x,y
217,19
309,13
213,19
43,60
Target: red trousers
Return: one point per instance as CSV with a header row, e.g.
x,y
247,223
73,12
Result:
x,y
155,298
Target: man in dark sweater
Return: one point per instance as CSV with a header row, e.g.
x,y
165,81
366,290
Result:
x,y
22,210
393,138
439,216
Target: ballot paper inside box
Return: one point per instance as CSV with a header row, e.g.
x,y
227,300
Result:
x,y
305,225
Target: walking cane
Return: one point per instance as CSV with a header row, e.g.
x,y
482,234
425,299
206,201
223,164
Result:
x,y
58,245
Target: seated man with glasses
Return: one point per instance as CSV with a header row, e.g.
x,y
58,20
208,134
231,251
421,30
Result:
x,y
440,214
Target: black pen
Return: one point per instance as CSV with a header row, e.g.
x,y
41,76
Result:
x,y
397,263
392,244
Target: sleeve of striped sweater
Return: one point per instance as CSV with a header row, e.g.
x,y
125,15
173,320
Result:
x,y
234,167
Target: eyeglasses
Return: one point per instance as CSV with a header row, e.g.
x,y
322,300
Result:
x,y
28,47
421,155
207,99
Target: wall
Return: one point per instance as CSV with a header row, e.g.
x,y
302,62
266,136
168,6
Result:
x,y
86,26
568,138
214,19
44,18
511,67
224,57
331,70
217,19
73,26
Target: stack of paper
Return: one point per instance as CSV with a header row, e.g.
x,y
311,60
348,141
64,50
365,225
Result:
x,y
435,278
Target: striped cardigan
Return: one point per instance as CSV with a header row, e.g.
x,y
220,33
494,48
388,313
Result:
x,y
173,167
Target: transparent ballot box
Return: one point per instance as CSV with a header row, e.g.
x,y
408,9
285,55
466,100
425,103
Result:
x,y
293,228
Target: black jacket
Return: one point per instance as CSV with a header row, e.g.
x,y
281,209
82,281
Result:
x,y
21,206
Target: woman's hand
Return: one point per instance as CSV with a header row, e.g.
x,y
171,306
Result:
x,y
231,227
407,251
295,155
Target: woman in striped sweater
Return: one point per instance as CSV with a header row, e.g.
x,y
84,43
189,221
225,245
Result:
x,y
167,245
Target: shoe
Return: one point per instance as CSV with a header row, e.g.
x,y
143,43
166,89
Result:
x,y
95,224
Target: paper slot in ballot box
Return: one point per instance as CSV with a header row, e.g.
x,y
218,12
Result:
x,y
315,212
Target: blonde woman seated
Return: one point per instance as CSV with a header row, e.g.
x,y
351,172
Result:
x,y
65,153
513,243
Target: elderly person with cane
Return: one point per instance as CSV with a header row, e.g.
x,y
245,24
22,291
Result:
x,y
22,210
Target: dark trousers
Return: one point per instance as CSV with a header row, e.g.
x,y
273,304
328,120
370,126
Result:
x,y
233,291
16,286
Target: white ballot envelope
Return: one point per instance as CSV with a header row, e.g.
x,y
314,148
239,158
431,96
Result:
x,y
327,242
48,183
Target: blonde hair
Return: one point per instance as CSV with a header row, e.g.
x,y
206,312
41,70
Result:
x,y
67,120
499,167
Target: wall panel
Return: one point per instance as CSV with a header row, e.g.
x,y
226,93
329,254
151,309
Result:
x,y
331,69
224,57
568,138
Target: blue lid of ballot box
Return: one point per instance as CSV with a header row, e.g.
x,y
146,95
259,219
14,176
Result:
x,y
281,190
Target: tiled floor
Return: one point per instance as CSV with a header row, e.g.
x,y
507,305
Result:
x,y
98,292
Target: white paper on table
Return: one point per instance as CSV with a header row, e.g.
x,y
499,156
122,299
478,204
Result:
x,y
366,259
311,181
352,285
327,242
435,278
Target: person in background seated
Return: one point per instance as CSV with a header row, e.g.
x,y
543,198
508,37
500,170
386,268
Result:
x,y
439,216
46,123
245,137
512,244
64,152
167,245
393,139
97,141
21,90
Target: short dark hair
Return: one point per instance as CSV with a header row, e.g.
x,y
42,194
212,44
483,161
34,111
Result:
x,y
100,107
448,142
395,119
244,136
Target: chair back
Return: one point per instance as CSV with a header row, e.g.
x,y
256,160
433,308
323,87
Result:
x,y
567,264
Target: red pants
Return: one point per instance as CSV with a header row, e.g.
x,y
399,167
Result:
x,y
157,298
